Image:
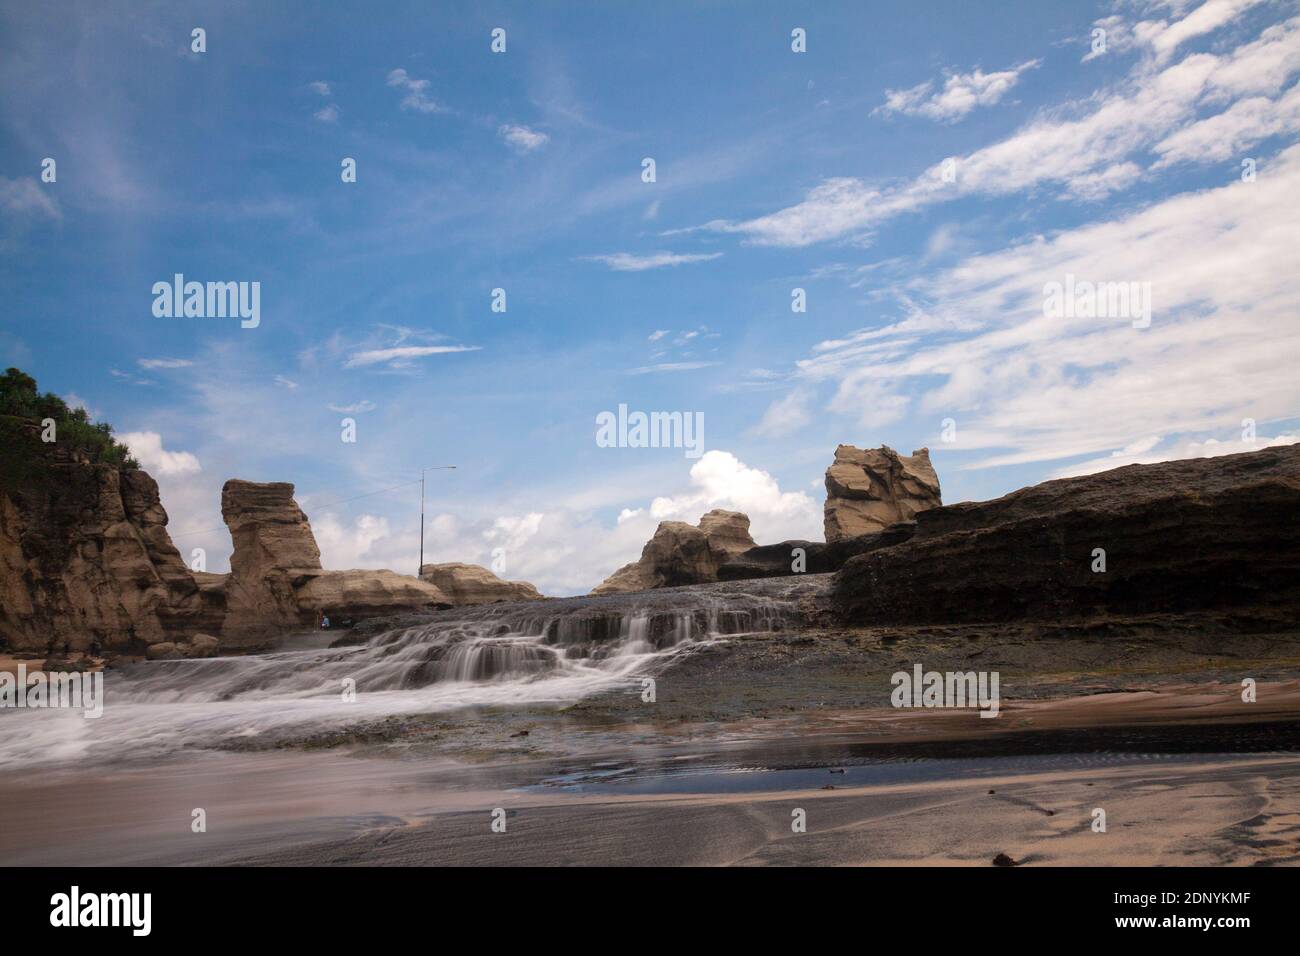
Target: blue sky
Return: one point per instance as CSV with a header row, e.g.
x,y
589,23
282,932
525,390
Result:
x,y
775,170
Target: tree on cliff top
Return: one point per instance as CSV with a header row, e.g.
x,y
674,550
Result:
x,y
20,399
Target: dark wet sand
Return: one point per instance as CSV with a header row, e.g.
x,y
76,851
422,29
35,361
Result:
x,y
915,791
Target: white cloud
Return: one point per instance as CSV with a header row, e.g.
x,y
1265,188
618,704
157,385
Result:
x,y
721,480
74,400
961,93
348,545
327,114
1220,347
26,197
284,382
1225,135
1165,37
417,97
670,367
148,449
355,408
394,356
1209,448
521,138
320,87
1089,148
786,415
657,334
164,363
630,262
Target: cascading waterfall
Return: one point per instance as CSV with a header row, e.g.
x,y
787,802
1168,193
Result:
x,y
505,655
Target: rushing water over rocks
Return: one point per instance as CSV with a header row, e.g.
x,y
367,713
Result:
x,y
551,652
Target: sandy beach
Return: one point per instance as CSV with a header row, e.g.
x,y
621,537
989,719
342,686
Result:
x,y
875,787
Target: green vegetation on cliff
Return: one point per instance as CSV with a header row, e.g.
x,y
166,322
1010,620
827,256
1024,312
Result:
x,y
23,417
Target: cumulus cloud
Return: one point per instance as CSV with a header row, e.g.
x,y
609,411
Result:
x,y
417,96
347,544
147,448
721,480
521,138
961,93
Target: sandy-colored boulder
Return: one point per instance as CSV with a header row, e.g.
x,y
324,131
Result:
x,y
360,593
867,490
274,551
202,645
681,553
466,584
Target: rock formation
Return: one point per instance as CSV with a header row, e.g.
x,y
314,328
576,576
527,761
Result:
x,y
200,645
85,560
360,593
1179,536
275,552
868,490
778,560
680,553
276,581
466,584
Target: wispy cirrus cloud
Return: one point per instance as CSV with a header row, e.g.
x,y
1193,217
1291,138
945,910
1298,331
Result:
x,y
1088,150
25,197
631,262
976,345
400,356
670,367
356,408
163,363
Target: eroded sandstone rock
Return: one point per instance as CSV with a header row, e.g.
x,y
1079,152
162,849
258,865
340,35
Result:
x,y
1179,536
681,553
86,564
363,592
466,584
274,552
867,490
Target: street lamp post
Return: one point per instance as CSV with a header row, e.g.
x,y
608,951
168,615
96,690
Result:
x,y
422,471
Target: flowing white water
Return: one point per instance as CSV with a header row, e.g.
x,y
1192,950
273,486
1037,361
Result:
x,y
504,655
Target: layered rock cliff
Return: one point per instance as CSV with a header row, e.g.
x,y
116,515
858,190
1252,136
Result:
x,y
86,564
468,584
867,490
1179,536
681,553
